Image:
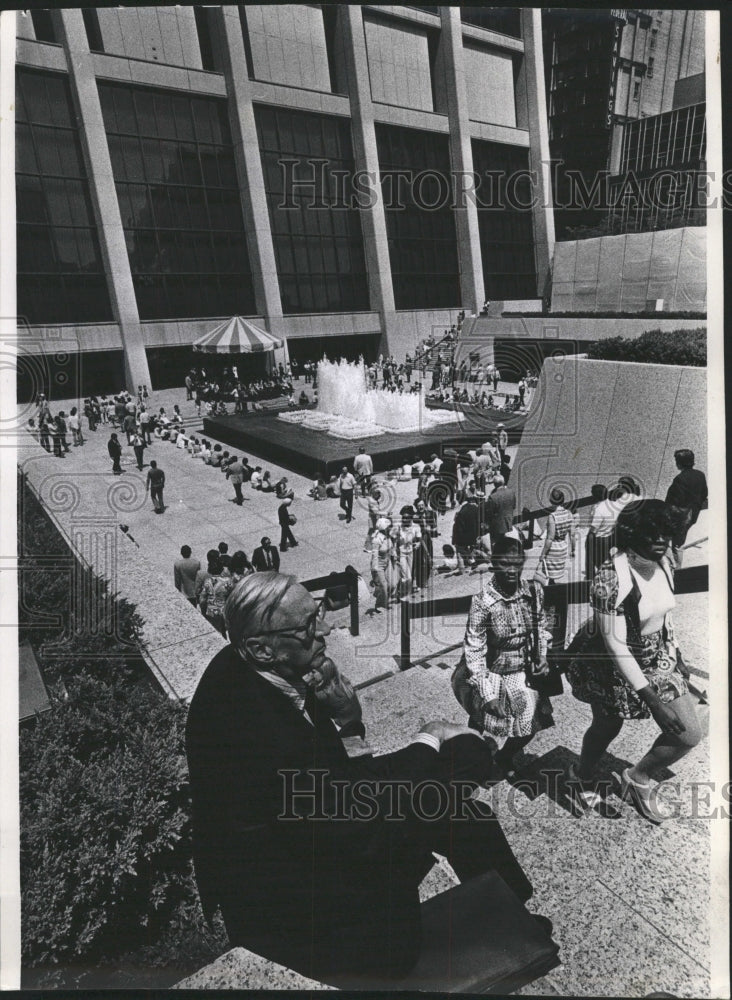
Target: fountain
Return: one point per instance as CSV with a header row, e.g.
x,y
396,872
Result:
x,y
348,409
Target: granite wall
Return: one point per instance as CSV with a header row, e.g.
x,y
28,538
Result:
x,y
630,273
592,421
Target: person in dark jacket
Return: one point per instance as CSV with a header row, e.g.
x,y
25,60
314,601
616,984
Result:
x,y
266,556
687,496
115,453
465,531
320,889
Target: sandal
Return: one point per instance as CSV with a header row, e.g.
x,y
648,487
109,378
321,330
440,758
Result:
x,y
640,796
584,794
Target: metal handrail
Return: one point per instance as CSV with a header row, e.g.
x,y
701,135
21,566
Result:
x,y
690,580
350,579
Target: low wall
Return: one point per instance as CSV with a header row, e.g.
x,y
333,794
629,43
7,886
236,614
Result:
x,y
631,272
593,421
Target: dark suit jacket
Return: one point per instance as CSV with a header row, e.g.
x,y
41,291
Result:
x,y
317,894
259,560
689,491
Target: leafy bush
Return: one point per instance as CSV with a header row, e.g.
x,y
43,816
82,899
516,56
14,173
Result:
x,y
96,632
676,347
105,830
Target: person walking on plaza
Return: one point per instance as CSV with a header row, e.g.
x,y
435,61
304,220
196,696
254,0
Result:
x,y
502,439
185,571
138,446
638,671
44,438
144,420
155,484
465,532
496,377
235,472
189,387
363,466
115,453
75,427
62,431
265,557
604,516
500,509
409,538
687,496
347,484
522,391
506,642
214,593
129,423
561,538
55,428
381,556
286,520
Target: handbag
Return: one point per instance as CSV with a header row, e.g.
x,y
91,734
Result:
x,y
550,683
293,519
541,575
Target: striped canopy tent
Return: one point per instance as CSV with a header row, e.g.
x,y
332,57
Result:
x,y
237,336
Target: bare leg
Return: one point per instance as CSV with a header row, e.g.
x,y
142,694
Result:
x,y
597,739
670,747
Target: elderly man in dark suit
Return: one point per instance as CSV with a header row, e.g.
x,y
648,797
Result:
x,y
266,556
315,857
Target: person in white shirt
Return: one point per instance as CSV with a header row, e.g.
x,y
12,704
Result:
x,y
604,518
255,480
418,466
347,482
363,466
435,463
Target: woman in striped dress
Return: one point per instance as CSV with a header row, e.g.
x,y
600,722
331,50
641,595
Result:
x,y
561,538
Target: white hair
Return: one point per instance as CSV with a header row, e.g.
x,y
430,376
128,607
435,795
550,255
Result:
x,y
252,603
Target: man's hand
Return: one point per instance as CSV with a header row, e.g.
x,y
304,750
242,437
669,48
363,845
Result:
x,y
539,669
444,731
335,692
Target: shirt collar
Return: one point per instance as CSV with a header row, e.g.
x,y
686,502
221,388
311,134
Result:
x,y
490,589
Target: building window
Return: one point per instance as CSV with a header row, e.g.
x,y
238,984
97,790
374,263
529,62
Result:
x,y
636,90
506,229
649,71
505,20
205,38
420,222
43,26
173,164
315,226
60,270
93,31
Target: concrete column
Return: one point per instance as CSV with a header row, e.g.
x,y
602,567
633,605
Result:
x,y
373,218
472,288
539,155
249,172
93,137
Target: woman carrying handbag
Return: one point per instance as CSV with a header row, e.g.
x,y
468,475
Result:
x,y
628,665
504,656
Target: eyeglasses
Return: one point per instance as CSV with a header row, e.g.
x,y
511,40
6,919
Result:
x,y
310,628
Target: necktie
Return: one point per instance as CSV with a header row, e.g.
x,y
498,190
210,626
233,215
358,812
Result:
x,y
269,559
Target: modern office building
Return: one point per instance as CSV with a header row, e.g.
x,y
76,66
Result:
x,y
605,68
296,164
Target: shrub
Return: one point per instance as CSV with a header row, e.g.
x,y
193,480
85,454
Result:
x,y
104,817
676,347
96,634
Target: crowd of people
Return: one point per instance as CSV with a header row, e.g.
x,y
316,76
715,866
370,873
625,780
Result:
x,y
212,392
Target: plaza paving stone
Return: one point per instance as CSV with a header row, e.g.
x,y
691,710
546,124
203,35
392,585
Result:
x,y
629,901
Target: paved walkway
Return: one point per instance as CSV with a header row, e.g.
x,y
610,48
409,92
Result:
x,y
630,902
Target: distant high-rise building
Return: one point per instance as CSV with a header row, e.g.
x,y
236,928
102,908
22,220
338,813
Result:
x,y
602,69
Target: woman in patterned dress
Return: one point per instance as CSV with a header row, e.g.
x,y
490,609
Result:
x,y
639,673
560,538
505,640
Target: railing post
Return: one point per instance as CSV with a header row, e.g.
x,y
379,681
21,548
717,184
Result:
x,y
405,659
353,601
